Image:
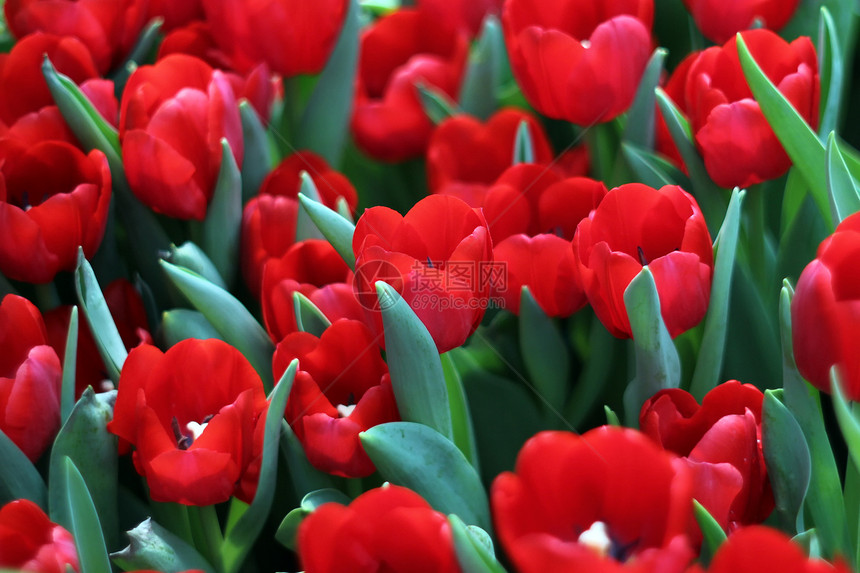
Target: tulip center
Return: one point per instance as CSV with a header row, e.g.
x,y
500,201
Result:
x,y
193,431
597,539
345,410
642,258
585,43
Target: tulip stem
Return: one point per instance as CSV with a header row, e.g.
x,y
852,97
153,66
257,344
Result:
x,y
47,296
206,531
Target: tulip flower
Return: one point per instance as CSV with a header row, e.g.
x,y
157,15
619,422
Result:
x,y
385,529
175,14
172,119
737,143
593,503
824,312
190,414
466,14
29,541
635,226
720,21
30,378
721,442
580,61
342,388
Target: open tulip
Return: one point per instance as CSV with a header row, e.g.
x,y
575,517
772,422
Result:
x,y
29,541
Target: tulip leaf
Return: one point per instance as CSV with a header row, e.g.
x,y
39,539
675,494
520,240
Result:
x,y
192,257
230,318
789,464
305,227
611,417
102,326
180,323
70,360
413,360
258,159
841,185
324,126
544,352
800,142
809,543
524,148
651,169
303,475
437,105
84,522
19,478
241,535
639,126
484,72
461,417
336,229
824,500
474,551
289,528
848,420
599,358
831,65
309,317
657,363
342,208
712,533
420,458
143,50
85,441
709,362
223,224
152,547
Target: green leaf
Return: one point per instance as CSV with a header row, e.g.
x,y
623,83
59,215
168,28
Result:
x,y
142,51
223,224
600,361
70,359
461,418
192,257
309,318
305,227
789,465
239,539
84,522
437,105
524,149
841,185
544,352
258,159
18,477
831,65
800,142
416,371
611,417
712,533
324,126
85,441
484,72
102,326
639,128
474,551
230,318
154,548
304,476
420,458
289,528
336,229
657,363
651,169
848,422
181,323
709,362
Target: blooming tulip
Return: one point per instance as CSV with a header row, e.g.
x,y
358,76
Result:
x,y
29,541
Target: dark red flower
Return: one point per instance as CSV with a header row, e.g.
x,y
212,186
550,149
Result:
x,y
291,36
108,29
175,13
825,311
721,442
636,225
269,220
465,14
738,145
465,153
341,388
580,61
173,117
438,257
29,541
53,199
388,529
190,414
30,378
593,502
720,21
398,51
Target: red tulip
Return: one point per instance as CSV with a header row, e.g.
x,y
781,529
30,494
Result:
x,y
465,14
438,258
464,153
636,225
576,60
721,442
720,21
738,145
190,414
825,312
175,13
341,388
291,36
674,88
108,29
29,541
594,502
53,199
388,529
173,117
398,51
30,378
